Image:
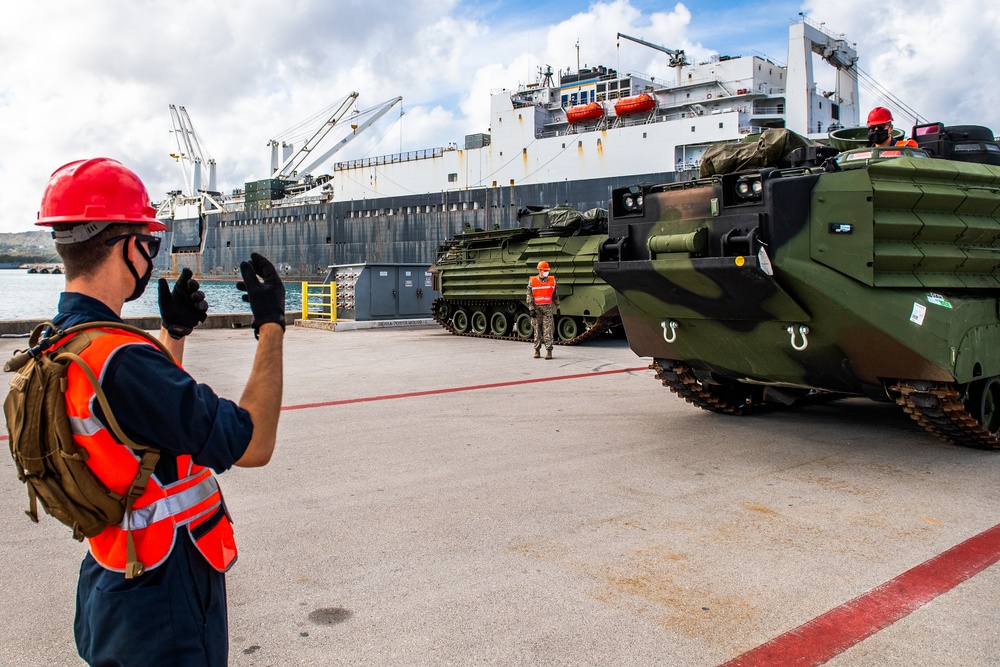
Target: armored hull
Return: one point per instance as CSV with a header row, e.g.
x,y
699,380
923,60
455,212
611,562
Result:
x,y
483,276
875,275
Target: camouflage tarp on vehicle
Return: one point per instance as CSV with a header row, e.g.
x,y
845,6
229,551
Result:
x,y
771,149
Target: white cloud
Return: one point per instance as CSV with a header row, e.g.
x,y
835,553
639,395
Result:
x,y
86,79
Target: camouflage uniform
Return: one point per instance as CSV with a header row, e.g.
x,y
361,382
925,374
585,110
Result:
x,y
543,321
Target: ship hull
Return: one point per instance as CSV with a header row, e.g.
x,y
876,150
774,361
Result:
x,y
304,240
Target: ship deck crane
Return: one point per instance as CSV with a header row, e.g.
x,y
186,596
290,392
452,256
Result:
x,y
675,58
290,167
189,153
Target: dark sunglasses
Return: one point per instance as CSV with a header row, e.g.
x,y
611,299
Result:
x,y
152,242
884,126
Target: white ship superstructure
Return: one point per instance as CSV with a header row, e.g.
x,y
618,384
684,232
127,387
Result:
x,y
565,139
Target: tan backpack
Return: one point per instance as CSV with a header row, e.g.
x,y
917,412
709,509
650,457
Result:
x,y
48,460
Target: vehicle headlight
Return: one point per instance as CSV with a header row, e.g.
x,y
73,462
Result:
x,y
749,188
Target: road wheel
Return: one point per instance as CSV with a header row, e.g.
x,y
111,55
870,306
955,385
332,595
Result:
x,y
499,324
460,320
479,322
567,328
984,403
523,326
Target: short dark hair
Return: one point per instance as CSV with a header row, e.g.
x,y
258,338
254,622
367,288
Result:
x,y
86,257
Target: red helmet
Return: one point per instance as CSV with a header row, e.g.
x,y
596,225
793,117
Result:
x,y
543,266
879,116
99,189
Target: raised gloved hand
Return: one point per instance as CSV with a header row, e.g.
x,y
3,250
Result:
x,y
532,314
184,308
267,298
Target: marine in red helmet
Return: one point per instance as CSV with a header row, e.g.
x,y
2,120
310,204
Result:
x,y
880,129
541,298
163,602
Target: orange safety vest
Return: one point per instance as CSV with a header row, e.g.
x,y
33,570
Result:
x,y
542,292
195,500
907,142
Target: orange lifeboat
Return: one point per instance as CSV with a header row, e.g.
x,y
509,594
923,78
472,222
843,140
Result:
x,y
583,112
638,104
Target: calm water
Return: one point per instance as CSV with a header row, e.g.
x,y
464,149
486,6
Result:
x,y
35,295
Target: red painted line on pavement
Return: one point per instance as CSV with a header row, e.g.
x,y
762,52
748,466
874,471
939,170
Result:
x,y
451,390
832,633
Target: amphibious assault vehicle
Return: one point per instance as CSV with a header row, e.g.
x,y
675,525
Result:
x,y
875,272
483,275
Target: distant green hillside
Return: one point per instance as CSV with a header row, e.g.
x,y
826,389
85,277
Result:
x,y
27,247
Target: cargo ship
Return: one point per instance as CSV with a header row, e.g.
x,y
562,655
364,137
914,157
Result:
x,y
565,139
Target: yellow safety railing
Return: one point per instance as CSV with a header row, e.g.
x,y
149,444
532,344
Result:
x,y
319,301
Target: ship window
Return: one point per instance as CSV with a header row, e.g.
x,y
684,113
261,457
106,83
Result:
x,y
465,206
720,126
565,100
324,216
427,209
598,141
454,207
229,244
328,240
512,181
643,135
602,87
494,183
689,95
475,206
453,177
579,144
692,128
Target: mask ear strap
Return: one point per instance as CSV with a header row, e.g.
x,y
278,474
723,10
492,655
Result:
x,y
128,262
131,267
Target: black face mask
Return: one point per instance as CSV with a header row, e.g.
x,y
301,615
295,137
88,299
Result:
x,y
140,282
876,137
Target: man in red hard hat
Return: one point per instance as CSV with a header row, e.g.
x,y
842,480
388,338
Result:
x,y
880,129
541,298
166,602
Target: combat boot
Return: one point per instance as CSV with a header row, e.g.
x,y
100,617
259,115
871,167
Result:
x,y
538,354
548,353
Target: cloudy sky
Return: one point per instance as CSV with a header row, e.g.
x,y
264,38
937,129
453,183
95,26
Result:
x,y
83,79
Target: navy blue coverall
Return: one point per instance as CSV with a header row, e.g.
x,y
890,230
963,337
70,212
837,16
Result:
x,y
174,614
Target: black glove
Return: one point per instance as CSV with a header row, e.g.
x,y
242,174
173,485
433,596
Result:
x,y
557,311
184,308
531,313
267,298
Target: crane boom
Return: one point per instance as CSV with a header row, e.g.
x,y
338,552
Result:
x,y
676,59
290,166
189,152
379,111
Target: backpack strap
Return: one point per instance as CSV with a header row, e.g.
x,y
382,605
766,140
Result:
x,y
149,456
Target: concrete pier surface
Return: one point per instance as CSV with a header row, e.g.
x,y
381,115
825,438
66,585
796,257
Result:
x,y
439,500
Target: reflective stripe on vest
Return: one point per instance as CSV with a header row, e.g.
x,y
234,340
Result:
x,y
542,292
195,500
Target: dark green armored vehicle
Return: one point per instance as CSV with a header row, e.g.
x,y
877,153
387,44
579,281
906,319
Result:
x,y
482,276
873,273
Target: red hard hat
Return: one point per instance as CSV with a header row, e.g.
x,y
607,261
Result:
x,y
879,116
99,189
543,266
